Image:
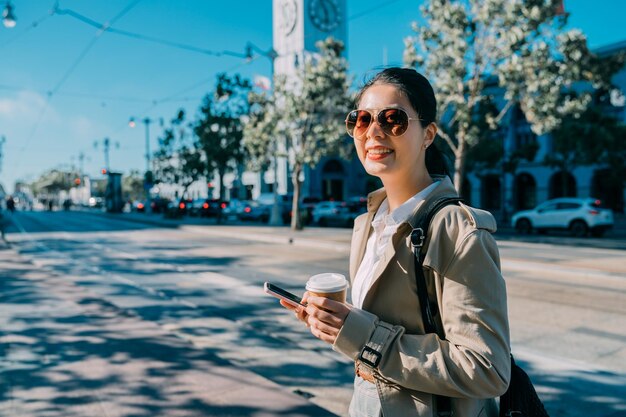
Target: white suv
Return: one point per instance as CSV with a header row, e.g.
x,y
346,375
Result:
x,y
578,215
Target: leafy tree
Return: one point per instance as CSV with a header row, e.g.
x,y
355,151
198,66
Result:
x,y
133,185
179,159
306,112
219,128
461,46
54,181
591,138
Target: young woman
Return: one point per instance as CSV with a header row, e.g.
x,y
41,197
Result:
x,y
400,369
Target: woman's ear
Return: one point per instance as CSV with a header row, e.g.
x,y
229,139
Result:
x,y
429,137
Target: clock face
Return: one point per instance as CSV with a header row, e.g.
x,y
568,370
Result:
x,y
324,14
289,16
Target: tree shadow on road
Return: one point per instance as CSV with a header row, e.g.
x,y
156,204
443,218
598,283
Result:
x,y
66,354
579,393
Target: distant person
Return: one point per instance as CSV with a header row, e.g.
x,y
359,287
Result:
x,y
11,204
4,223
50,205
400,369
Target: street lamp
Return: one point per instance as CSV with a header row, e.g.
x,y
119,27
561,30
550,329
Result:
x,y
271,54
8,18
148,174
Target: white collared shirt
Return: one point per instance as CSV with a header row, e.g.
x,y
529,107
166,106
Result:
x,y
384,226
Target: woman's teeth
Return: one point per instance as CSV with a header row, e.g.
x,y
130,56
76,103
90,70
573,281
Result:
x,y
379,151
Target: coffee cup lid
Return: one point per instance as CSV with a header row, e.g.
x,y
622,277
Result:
x,y
326,282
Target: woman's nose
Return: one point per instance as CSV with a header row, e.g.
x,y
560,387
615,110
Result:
x,y
374,130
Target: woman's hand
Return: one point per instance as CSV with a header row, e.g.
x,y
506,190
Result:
x,y
299,311
325,317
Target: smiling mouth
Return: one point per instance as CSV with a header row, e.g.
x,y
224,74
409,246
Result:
x,y
378,153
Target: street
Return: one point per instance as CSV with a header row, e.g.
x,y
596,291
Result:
x,y
200,287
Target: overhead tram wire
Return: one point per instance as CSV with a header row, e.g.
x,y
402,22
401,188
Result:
x,y
32,26
172,97
66,76
372,9
153,39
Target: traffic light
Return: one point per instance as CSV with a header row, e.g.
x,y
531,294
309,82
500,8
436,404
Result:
x,y
77,181
104,171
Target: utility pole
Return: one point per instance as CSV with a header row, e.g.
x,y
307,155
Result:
x,y
107,143
148,175
3,139
148,178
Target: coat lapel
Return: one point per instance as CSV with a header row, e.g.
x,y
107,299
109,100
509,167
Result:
x,y
362,228
400,236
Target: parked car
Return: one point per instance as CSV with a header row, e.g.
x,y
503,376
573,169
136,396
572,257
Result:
x,y
233,208
307,206
578,215
138,206
325,212
255,211
209,207
159,204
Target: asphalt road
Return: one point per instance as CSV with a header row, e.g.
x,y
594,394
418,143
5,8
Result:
x,y
203,284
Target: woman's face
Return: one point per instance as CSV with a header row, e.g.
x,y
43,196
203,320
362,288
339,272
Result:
x,y
392,157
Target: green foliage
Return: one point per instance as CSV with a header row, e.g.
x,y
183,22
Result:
x,y
305,112
465,47
178,159
132,186
219,128
591,138
53,181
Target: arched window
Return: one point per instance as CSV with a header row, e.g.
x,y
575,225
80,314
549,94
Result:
x,y
490,192
562,184
525,191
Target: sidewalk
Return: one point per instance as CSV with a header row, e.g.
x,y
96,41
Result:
x,y
66,352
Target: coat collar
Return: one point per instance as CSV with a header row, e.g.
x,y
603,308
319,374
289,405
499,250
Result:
x,y
363,226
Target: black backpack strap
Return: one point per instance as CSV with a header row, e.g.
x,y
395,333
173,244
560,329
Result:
x,y
420,226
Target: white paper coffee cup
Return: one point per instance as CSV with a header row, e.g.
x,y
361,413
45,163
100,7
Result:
x,y
330,285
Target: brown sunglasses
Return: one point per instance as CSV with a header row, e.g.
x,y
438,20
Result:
x,y
392,121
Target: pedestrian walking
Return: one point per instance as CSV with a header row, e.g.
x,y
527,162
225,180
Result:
x,y
11,204
401,368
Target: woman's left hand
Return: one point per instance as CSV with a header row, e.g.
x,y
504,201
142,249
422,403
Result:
x,y
325,317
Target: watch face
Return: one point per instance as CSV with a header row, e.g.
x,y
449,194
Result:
x,y
324,14
289,16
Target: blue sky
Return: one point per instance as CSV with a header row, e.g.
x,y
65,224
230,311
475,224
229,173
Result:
x,y
119,77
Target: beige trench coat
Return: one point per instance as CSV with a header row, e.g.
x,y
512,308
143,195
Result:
x,y
462,268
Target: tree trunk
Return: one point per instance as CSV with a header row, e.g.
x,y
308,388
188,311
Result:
x,y
220,173
459,164
296,223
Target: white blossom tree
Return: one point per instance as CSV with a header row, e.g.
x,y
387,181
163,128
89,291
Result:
x,y
305,111
466,47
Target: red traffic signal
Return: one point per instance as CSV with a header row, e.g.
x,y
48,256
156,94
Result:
x,y
104,171
77,181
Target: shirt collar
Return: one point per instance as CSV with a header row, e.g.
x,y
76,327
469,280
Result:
x,y
402,213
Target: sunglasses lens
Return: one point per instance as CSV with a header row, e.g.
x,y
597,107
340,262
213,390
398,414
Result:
x,y
357,123
393,122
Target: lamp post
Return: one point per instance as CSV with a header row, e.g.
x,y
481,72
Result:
x,y
271,54
148,175
106,145
8,18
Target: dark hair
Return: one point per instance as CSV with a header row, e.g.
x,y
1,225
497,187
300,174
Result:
x,y
417,89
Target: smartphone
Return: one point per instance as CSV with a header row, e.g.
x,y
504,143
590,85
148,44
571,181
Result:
x,y
278,292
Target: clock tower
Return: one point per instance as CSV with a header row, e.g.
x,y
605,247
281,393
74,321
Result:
x,y
299,24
